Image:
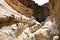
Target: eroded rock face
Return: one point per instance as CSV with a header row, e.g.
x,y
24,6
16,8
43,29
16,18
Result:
x,y
20,7
40,13
46,5
55,12
16,26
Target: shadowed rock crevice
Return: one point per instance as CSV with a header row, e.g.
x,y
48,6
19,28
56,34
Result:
x,y
39,12
17,21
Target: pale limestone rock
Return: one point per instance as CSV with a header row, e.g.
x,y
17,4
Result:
x,y
55,38
15,26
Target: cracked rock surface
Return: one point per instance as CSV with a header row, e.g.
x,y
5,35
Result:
x,y
16,26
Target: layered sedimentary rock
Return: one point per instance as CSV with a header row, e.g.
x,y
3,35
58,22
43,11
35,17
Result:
x,y
20,7
17,26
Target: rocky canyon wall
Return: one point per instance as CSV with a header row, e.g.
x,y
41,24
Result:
x,y
17,22
40,13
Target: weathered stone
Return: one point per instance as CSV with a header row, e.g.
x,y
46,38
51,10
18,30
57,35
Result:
x,y
17,26
55,38
55,12
40,13
14,24
20,7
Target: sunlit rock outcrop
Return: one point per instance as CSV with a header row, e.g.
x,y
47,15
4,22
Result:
x,y
13,24
16,24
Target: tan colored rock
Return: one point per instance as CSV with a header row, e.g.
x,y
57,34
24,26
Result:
x,y
20,7
40,37
4,36
55,12
15,26
55,38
